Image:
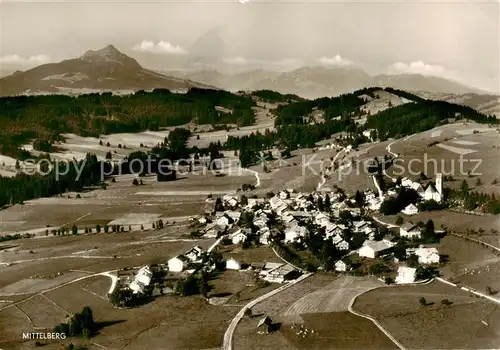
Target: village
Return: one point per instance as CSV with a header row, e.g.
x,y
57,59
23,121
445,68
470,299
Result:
x,y
290,222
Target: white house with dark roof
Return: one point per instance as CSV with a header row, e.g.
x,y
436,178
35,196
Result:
x,y
410,230
239,236
178,263
427,255
410,209
194,253
374,249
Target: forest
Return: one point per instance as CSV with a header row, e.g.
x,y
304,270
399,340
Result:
x,y
24,118
44,118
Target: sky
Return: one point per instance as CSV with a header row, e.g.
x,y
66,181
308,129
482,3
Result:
x,y
455,40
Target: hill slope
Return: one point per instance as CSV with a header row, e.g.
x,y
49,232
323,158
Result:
x,y
102,70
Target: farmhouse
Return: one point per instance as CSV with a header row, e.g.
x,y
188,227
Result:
x,y
427,255
294,233
410,230
410,209
141,280
178,263
406,275
232,264
194,253
264,235
144,275
280,274
342,266
238,237
374,249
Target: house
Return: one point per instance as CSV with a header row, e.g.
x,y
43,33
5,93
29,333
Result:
x,y
265,325
232,264
144,275
238,237
264,235
389,239
427,255
284,194
342,245
230,201
280,274
321,219
136,287
223,221
410,209
406,275
374,249
332,230
410,230
340,266
360,226
406,182
178,263
268,266
293,233
194,253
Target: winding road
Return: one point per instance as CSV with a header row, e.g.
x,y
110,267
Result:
x,y
228,336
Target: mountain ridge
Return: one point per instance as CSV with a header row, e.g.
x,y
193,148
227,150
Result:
x,y
106,69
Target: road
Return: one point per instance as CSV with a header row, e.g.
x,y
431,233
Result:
x,y
389,335
228,336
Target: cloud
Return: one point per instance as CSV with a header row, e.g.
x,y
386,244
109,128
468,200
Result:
x,y
31,60
239,61
336,60
417,67
162,47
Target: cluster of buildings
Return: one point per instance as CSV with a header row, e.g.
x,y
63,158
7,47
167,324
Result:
x,y
431,192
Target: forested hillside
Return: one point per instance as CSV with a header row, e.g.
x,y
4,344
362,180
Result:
x,y
45,117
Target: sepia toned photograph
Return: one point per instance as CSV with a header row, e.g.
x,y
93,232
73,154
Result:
x,y
249,174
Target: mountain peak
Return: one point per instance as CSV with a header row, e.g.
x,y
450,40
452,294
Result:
x,y
108,54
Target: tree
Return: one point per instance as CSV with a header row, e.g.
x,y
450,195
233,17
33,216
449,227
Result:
x,y
243,200
412,260
74,229
108,144
399,220
106,228
218,204
135,182
100,143
389,280
464,187
98,228
108,155
359,198
119,145
423,301
478,182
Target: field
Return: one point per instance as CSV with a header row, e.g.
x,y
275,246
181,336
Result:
x,y
459,325
309,303
181,198
334,297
